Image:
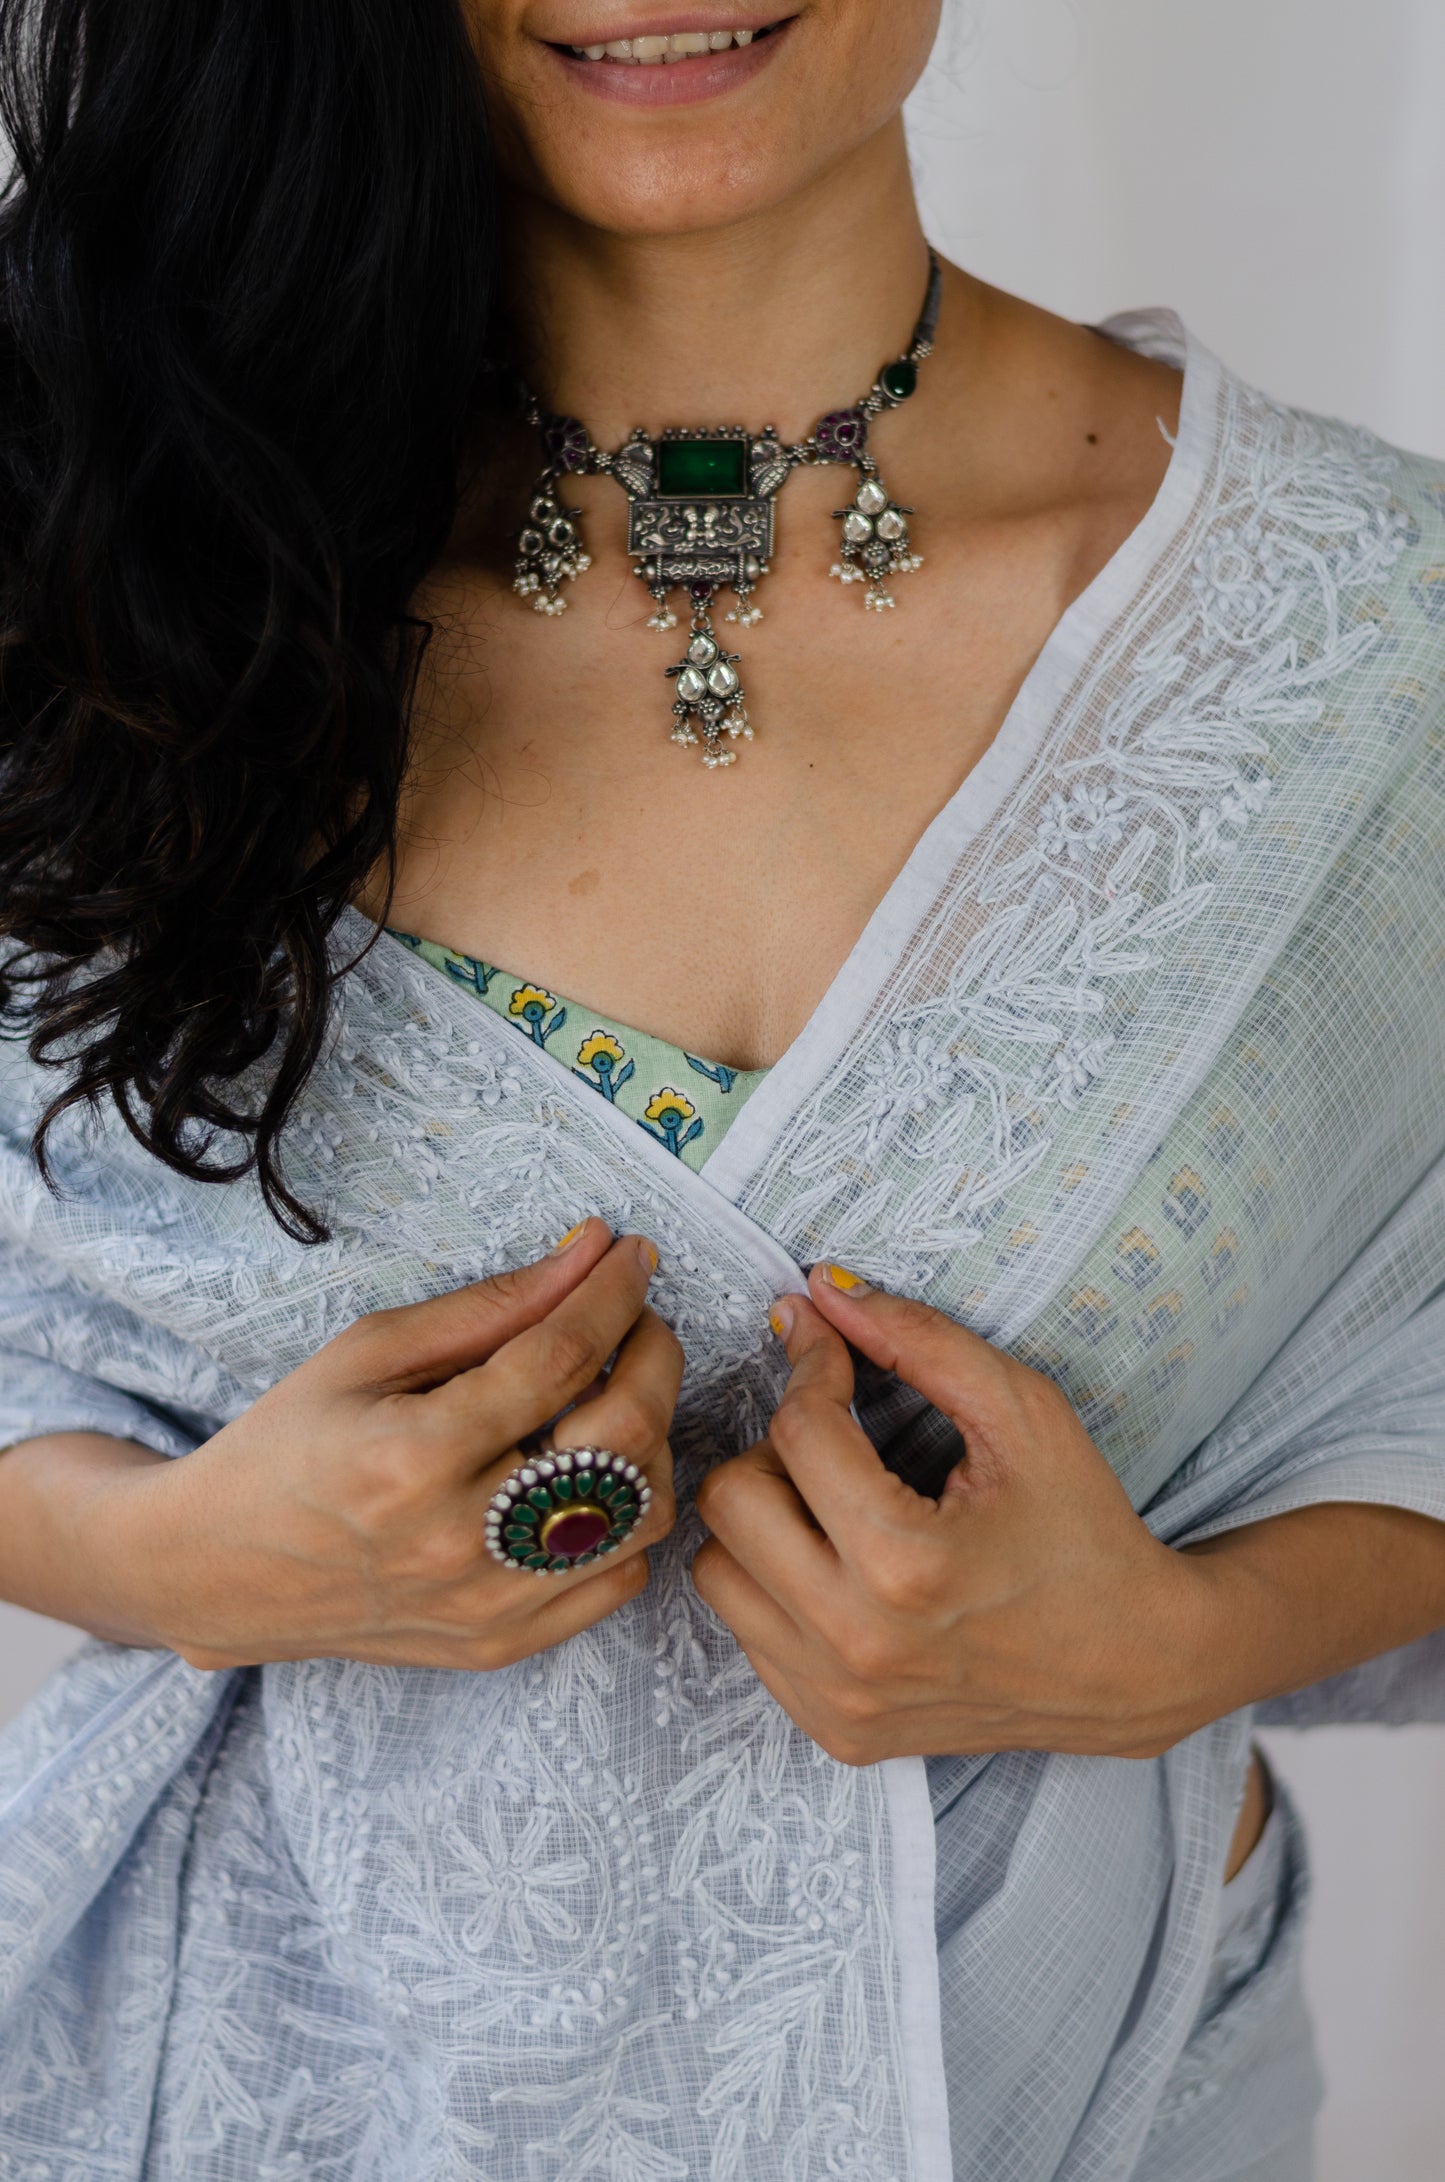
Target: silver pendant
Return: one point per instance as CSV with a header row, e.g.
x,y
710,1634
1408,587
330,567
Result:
x,y
710,707
549,550
702,518
876,545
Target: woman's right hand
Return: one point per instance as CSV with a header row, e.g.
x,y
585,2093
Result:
x,y
342,1516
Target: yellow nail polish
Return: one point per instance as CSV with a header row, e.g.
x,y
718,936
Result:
x,y
566,1241
852,1284
780,1318
650,1256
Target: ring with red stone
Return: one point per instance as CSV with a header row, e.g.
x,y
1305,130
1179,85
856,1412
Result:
x,y
566,1509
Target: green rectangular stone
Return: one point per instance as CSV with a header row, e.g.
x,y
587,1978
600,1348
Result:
x,y
702,469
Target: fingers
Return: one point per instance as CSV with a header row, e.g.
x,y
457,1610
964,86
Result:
x,y
631,1411
631,1416
546,1366
956,1370
421,1345
826,1453
755,1512
589,1598
761,1625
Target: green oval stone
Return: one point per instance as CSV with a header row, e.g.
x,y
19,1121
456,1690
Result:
x,y
540,1498
585,1482
562,1488
899,380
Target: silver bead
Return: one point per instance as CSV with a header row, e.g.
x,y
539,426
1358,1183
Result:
x,y
857,529
691,685
723,679
531,543
872,499
702,651
752,568
891,525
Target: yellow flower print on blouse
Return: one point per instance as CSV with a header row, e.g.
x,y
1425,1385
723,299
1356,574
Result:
x,y
602,1062
533,1007
672,1119
623,1065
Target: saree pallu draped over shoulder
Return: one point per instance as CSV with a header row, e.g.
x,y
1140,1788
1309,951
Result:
x,y
1137,1070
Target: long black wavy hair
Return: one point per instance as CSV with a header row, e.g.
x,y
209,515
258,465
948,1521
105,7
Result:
x,y
246,269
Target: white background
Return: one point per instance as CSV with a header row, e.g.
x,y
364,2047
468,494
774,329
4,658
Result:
x,y
1275,170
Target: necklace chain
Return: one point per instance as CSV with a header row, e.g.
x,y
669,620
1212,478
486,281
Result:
x,y
702,518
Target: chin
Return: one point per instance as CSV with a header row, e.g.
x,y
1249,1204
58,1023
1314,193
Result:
x,y
709,140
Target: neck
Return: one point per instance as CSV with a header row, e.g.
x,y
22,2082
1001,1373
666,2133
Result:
x,y
773,320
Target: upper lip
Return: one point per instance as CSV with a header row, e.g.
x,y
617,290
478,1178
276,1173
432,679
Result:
x,y
658,25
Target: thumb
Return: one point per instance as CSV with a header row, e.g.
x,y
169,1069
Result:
x,y
422,1345
958,1371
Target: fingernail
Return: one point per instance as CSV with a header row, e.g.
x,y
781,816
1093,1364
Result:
x,y
852,1284
780,1318
649,1256
566,1241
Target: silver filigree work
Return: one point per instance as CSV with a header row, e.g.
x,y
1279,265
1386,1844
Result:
x,y
702,518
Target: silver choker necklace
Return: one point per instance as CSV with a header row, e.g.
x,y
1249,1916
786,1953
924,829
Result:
x,y
702,518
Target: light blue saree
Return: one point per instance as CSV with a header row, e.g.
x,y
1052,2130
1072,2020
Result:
x,y
1138,1070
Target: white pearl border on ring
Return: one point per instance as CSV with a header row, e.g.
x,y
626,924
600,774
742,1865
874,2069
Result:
x,y
540,1471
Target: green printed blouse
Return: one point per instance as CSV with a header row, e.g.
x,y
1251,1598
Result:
x,y
687,1103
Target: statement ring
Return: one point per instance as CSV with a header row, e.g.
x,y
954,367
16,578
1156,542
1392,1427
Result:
x,y
563,1510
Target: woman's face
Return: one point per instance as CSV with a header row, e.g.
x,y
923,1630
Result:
x,y
701,115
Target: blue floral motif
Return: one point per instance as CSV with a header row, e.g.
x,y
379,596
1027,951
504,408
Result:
x,y
468,971
724,1078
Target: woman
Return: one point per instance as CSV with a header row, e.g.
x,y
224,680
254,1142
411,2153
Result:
x,y
1053,965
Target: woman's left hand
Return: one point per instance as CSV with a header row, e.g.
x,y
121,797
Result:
x,y
1028,1607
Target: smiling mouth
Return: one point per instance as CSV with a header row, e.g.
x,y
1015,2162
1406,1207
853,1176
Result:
x,y
679,45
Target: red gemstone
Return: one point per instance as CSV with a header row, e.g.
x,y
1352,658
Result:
x,y
571,1532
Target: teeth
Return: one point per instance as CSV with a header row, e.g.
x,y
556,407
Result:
x,y
682,45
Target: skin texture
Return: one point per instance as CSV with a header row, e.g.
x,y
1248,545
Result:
x,y
749,258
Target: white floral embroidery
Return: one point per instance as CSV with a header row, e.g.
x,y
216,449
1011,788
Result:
x,y
607,1914
1090,817
1117,841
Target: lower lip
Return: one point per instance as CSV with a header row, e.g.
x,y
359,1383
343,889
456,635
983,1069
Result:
x,y
674,83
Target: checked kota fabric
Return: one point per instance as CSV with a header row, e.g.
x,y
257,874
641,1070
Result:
x,y
1137,1070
